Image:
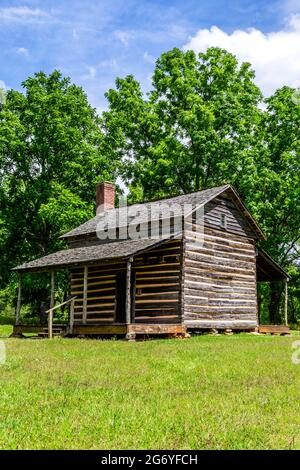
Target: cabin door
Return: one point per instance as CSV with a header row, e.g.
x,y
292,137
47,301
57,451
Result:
x,y
120,316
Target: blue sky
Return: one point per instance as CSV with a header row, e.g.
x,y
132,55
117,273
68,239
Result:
x,y
96,40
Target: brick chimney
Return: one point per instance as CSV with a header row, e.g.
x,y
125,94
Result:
x,y
105,196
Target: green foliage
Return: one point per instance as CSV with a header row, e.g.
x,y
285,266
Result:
x,y
294,296
201,125
277,196
195,128
64,209
51,157
6,301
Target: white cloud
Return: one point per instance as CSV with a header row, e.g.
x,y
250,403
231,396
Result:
x,y
123,36
274,56
23,14
91,73
149,58
3,85
110,63
22,51
289,6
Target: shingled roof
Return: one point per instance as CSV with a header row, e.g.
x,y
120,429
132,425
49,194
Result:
x,y
125,249
77,256
113,217
108,217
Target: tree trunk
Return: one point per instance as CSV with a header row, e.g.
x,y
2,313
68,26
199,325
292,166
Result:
x,y
259,300
43,315
274,305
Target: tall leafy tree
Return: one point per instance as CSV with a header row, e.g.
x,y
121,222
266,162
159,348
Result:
x,y
194,129
51,156
275,194
202,124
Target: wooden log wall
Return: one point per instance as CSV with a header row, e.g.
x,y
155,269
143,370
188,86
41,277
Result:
x,y
219,280
157,275
101,293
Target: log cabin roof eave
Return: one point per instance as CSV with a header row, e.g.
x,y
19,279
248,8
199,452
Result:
x,y
271,264
65,260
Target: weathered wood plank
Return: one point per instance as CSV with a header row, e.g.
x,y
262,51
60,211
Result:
x,y
274,329
221,324
128,292
220,284
157,329
199,310
99,329
158,284
85,294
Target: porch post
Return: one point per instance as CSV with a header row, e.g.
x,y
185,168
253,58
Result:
x,y
19,301
85,283
52,295
286,302
128,292
72,316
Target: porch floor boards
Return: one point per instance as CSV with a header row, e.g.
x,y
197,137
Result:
x,y
124,330
274,329
121,329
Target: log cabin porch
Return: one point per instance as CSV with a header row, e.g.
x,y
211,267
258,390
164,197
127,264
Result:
x,y
267,270
137,294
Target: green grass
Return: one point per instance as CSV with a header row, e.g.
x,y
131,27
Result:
x,y
224,392
5,331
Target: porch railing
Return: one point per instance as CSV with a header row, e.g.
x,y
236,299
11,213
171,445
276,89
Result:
x,y
70,301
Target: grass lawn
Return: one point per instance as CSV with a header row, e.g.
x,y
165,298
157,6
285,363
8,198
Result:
x,y
223,392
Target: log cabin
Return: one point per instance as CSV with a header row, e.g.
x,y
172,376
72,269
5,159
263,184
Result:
x,y
167,267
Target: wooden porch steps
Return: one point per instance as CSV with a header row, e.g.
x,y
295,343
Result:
x,y
39,330
57,331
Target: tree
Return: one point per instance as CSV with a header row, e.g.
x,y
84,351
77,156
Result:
x,y
202,125
276,194
51,156
196,128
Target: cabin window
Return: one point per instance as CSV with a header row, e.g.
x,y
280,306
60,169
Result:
x,y
223,221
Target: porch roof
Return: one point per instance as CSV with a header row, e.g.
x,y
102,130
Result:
x,y
267,269
89,254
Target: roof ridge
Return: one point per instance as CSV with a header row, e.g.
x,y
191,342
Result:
x,y
216,191
179,195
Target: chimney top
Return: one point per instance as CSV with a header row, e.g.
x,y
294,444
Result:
x,y
105,196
